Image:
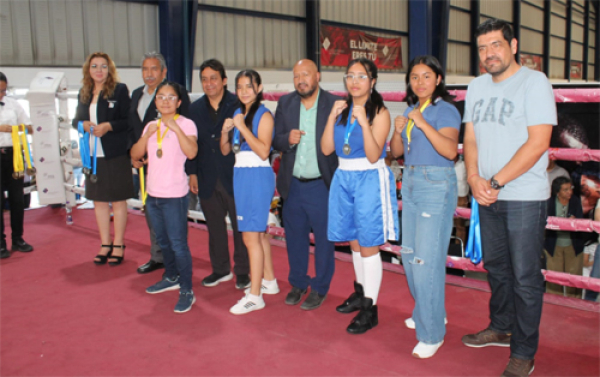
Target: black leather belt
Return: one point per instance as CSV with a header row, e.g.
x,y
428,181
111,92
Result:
x,y
6,150
304,180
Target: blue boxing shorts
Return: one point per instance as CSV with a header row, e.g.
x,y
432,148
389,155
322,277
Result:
x,y
253,189
362,203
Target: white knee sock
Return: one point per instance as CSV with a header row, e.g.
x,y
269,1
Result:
x,y
357,261
373,270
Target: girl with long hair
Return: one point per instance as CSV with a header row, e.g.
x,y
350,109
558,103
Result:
x,y
362,205
103,107
427,135
169,142
249,134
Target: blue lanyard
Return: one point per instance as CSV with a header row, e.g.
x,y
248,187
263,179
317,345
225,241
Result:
x,y
473,249
29,149
95,150
349,127
236,136
84,146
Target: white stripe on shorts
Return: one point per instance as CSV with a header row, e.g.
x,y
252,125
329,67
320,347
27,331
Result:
x,y
389,231
249,159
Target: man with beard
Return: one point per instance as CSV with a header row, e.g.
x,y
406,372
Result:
x,y
509,114
141,112
303,182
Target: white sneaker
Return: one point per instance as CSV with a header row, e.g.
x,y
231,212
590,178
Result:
x,y
425,351
410,323
247,304
267,287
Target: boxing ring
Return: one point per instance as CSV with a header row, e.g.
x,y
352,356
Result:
x,y
63,315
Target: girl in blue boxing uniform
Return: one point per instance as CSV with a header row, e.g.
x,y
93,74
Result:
x,y
362,198
249,135
427,135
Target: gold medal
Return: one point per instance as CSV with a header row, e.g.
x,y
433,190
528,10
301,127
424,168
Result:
x,y
159,153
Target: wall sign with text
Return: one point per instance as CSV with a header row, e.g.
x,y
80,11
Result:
x,y
339,46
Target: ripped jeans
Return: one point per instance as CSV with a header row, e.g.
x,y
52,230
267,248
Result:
x,y
429,196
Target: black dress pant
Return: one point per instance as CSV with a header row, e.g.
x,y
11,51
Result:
x,y
215,209
16,201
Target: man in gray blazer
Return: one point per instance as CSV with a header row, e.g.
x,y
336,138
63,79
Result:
x,y
303,182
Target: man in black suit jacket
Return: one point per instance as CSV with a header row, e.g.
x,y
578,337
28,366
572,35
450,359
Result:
x,y
303,182
211,176
142,111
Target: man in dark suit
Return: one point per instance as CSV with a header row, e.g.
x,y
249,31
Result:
x,y
211,176
142,111
303,182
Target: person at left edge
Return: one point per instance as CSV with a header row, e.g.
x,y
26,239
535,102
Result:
x,y
103,103
211,176
168,146
142,111
11,113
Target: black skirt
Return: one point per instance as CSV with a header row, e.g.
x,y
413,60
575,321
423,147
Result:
x,y
115,181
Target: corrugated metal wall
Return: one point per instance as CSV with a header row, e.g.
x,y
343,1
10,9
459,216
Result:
x,y
245,41
459,29
64,32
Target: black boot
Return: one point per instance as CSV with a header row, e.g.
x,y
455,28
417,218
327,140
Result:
x,y
366,318
352,304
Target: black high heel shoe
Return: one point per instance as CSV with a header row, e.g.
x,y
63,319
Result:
x,y
103,258
118,259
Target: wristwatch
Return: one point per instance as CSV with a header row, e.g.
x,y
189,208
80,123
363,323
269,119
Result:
x,y
495,185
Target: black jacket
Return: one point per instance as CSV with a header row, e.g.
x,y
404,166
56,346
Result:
x,y
577,238
210,163
114,110
287,118
136,125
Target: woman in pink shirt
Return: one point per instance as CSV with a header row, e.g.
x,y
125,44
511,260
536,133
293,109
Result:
x,y
169,142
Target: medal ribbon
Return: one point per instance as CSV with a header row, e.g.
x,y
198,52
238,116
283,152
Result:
x,y
84,146
159,137
26,149
411,123
473,249
143,186
95,150
17,153
349,127
30,162
236,136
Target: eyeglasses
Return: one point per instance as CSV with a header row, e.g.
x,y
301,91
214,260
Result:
x,y
170,98
361,78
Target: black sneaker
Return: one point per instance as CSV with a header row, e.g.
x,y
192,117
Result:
x,y
4,253
21,245
214,279
242,281
295,296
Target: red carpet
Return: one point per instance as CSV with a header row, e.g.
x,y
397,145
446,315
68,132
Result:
x,y
61,315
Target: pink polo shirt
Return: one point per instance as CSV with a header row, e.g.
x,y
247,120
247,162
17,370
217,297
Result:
x,y
166,175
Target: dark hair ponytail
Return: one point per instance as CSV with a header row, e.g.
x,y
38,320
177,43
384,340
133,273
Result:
x,y
375,101
254,78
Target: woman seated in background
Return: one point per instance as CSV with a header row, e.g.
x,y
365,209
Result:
x,y
427,136
249,134
169,142
103,106
564,250
362,199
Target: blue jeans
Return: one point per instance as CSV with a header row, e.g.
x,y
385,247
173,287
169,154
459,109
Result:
x,y
512,237
591,295
169,221
429,196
